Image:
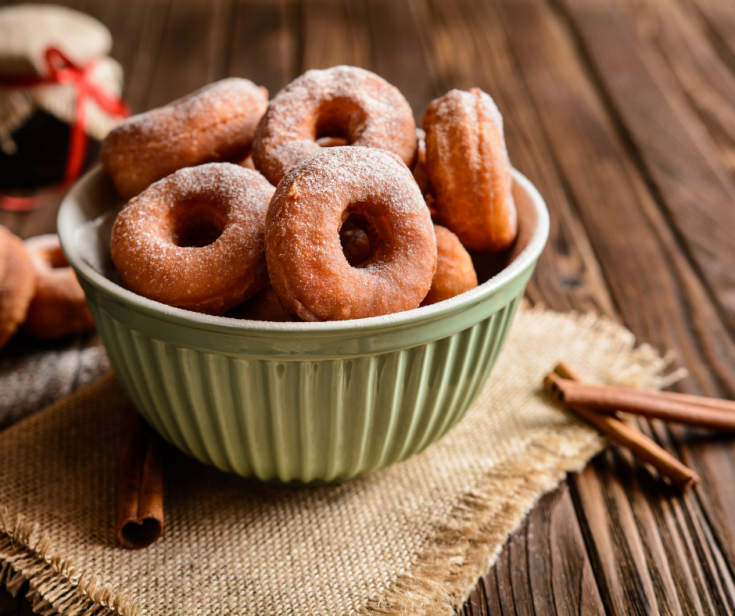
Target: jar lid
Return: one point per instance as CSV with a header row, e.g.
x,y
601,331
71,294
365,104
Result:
x,y
27,30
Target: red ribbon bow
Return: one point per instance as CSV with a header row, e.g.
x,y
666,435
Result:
x,y
60,69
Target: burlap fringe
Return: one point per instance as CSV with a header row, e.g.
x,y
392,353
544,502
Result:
x,y
55,585
457,552
465,547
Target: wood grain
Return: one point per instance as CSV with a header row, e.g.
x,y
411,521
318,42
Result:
x,y
678,153
264,43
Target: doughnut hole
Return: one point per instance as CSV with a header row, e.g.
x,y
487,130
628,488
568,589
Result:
x,y
369,233
337,122
195,223
355,242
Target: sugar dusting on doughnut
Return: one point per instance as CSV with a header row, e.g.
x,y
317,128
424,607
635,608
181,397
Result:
x,y
469,171
226,205
215,123
347,103
307,266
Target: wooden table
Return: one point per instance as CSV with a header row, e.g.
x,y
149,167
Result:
x,y
622,113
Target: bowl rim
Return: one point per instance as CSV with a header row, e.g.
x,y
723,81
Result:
x,y
67,231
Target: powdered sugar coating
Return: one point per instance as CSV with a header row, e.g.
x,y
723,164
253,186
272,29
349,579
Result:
x,y
214,123
342,101
209,279
469,171
307,267
58,308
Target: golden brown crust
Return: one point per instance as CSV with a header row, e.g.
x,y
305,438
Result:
x,y
469,170
58,308
340,103
306,264
263,306
455,273
195,239
17,283
215,123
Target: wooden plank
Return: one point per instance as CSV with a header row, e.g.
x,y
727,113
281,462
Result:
x,y
477,603
398,53
614,204
264,43
617,550
682,37
194,49
720,15
335,32
559,570
140,73
492,597
680,156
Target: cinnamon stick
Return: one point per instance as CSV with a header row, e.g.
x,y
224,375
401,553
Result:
x,y
639,444
139,487
693,410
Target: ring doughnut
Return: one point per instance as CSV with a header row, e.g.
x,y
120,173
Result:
x,y
58,307
469,170
306,264
195,239
17,283
214,123
455,273
343,102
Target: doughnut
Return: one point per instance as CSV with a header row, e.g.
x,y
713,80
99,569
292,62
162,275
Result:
x,y
58,307
469,170
263,306
194,240
422,177
343,102
306,264
215,123
17,283
455,273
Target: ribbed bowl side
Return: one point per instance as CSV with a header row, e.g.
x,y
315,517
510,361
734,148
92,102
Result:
x,y
304,421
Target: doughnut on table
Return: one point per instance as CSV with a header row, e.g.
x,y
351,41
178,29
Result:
x,y
628,133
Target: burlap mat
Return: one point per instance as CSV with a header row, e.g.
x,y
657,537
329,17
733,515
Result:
x,y
409,539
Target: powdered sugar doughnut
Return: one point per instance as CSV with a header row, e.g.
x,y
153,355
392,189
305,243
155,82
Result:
x,y
17,282
342,102
215,123
469,170
59,307
307,267
455,273
195,239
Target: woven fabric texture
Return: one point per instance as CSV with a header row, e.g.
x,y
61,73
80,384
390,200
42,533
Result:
x,y
410,539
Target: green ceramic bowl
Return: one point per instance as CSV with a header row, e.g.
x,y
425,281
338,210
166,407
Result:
x,y
299,403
